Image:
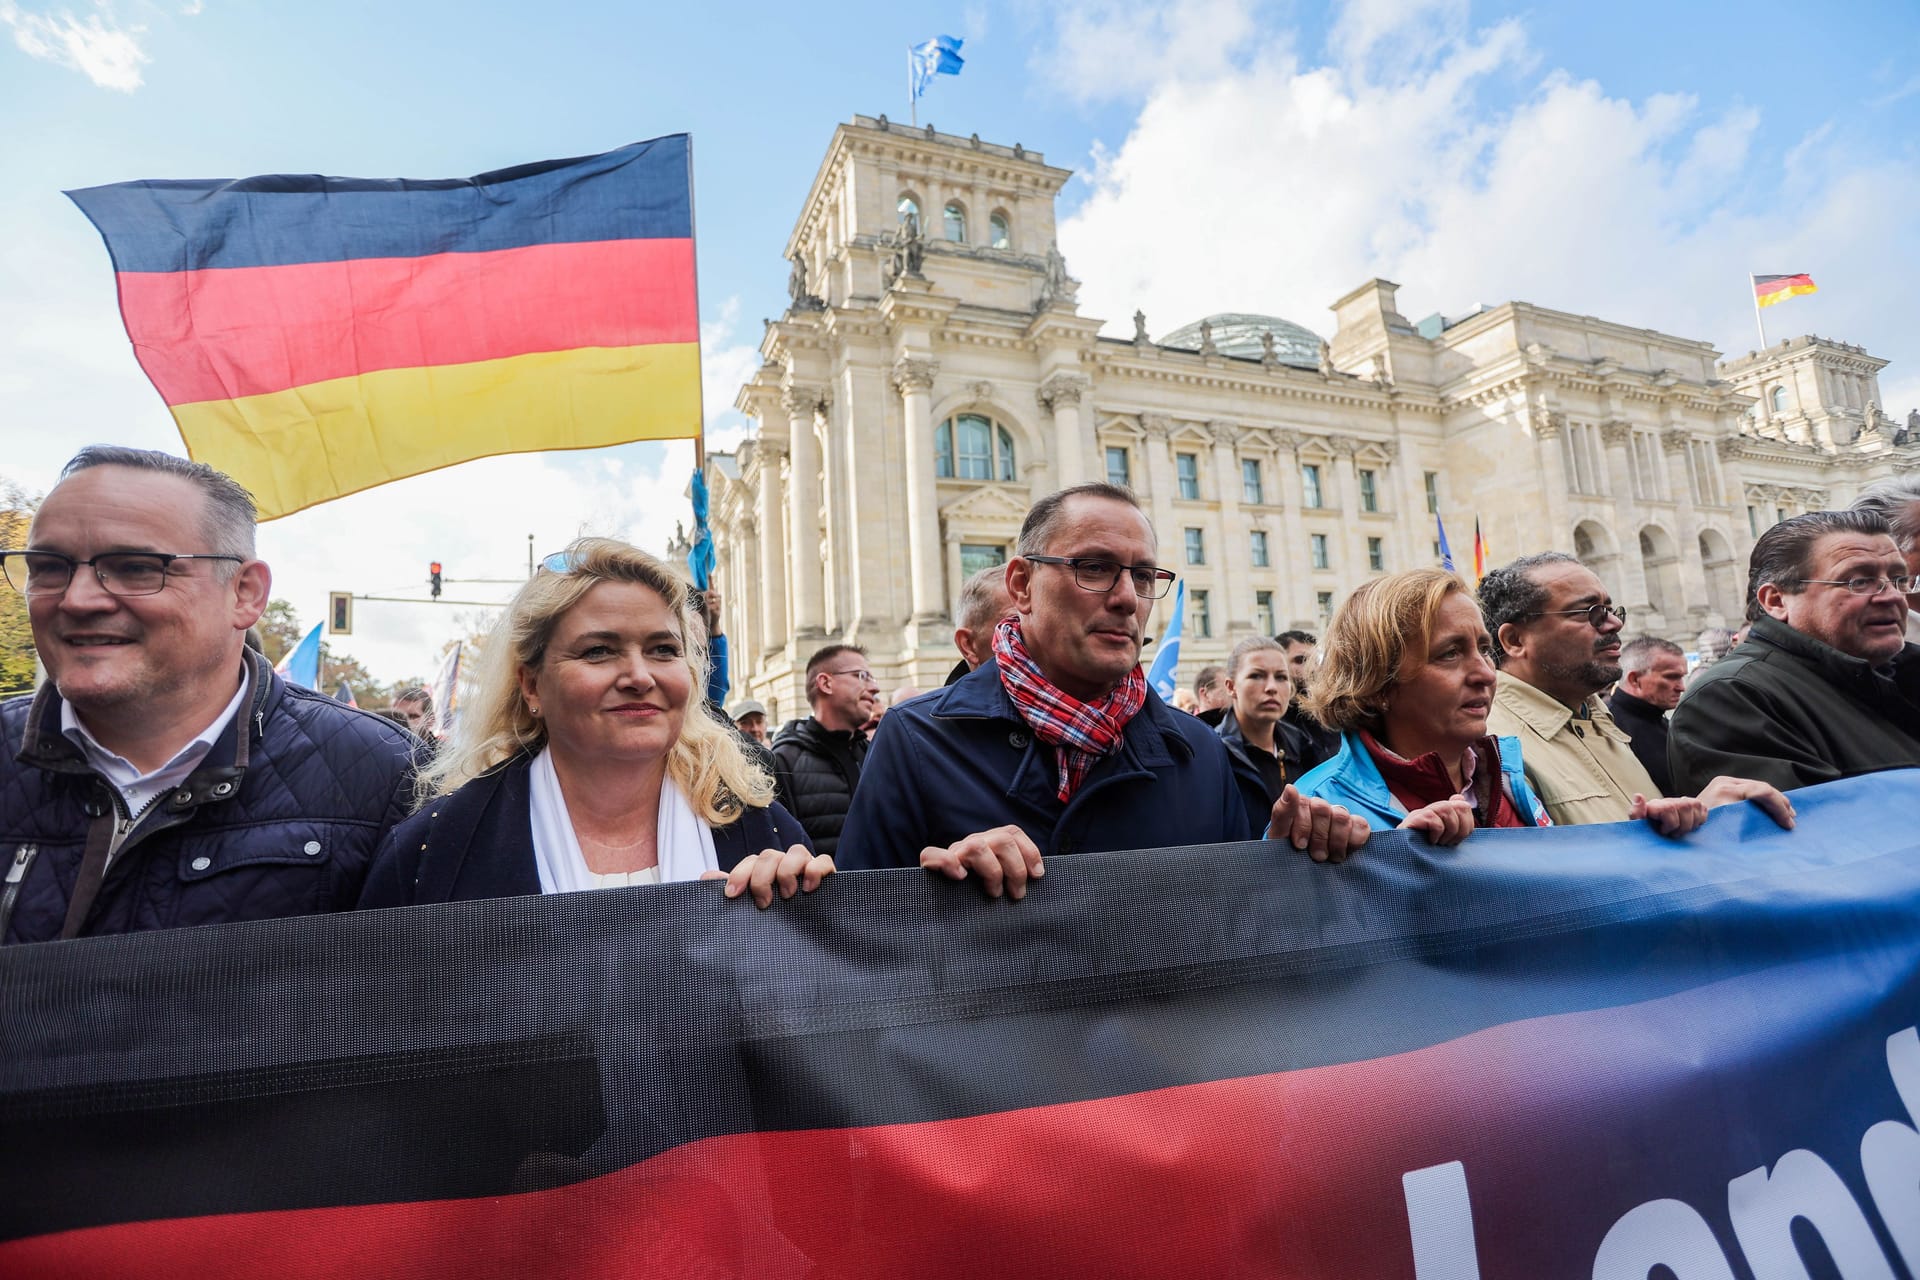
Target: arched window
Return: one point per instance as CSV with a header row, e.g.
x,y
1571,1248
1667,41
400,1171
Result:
x,y
970,447
909,208
999,231
956,224
1779,399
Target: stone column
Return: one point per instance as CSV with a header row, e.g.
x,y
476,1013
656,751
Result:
x,y
1550,453
913,379
1347,468
1616,435
803,511
1733,487
1060,395
1160,491
1295,597
1694,596
1233,552
773,545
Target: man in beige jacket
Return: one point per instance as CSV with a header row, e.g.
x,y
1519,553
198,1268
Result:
x,y
1556,640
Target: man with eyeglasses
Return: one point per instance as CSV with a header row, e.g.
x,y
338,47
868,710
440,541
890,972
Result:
x,y
818,760
1556,640
1825,685
164,775
1057,745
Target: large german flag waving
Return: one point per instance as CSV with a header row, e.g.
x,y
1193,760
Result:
x,y
315,336
1582,1051
1768,290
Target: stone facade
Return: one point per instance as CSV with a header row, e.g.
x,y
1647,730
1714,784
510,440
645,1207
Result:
x,y
933,375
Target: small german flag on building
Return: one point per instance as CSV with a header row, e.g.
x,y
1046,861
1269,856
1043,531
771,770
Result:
x,y
1768,290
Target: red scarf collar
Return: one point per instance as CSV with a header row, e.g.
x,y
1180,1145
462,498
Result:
x,y
1080,733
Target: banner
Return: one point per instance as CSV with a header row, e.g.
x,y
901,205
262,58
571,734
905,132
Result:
x,y
1580,1051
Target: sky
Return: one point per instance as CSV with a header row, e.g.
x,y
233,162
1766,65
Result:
x,y
1632,160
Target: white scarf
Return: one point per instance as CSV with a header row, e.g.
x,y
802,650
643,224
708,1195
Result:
x,y
685,843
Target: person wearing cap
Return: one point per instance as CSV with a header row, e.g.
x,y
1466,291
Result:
x,y
750,716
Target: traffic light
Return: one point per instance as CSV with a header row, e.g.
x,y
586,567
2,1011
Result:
x,y
340,612
433,576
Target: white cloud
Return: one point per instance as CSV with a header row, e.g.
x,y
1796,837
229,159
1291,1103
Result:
x,y
1115,48
725,365
105,52
1276,183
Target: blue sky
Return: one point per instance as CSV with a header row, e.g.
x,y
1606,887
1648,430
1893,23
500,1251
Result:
x,y
1631,160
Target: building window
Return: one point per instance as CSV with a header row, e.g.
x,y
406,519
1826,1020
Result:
x,y
971,447
1753,522
909,208
1317,548
1369,491
1119,470
999,231
1377,555
1433,493
1251,490
1188,467
1202,616
1323,601
1263,612
1196,546
1259,548
1779,399
956,223
975,556
1310,485
1436,551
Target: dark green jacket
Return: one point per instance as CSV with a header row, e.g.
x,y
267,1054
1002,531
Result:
x,y
1785,708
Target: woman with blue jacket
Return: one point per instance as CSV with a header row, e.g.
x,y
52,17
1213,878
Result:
x,y
1407,677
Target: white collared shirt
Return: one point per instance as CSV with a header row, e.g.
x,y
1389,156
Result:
x,y
138,790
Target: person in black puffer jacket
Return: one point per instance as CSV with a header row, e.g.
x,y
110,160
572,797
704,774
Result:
x,y
817,761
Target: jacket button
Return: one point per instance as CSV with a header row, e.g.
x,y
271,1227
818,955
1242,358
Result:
x,y
312,847
93,808
222,788
182,796
1016,739
201,864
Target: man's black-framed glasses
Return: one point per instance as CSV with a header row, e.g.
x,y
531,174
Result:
x,y
1862,585
121,573
1595,614
1093,574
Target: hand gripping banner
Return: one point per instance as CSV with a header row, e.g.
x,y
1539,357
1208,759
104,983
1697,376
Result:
x,y
1572,1052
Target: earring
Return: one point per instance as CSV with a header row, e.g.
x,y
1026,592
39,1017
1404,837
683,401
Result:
x,y
534,711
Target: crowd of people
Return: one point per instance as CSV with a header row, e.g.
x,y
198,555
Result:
x,y
164,775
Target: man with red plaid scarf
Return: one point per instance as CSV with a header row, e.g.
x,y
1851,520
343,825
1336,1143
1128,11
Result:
x,y
1058,746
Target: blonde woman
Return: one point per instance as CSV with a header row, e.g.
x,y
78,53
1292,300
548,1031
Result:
x,y
585,758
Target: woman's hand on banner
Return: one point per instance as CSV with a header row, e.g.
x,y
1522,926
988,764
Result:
x,y
798,870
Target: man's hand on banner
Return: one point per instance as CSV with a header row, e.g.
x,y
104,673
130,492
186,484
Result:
x,y
1324,830
1772,801
1004,858
798,870
1673,816
1444,822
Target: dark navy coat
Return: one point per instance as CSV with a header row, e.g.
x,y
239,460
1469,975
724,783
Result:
x,y
281,818
477,842
962,760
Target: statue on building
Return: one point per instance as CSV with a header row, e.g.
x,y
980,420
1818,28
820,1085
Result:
x,y
909,251
797,292
1326,359
1268,355
1206,339
1059,286
1140,338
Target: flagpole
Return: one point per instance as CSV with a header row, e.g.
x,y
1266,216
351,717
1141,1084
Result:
x,y
913,102
1753,287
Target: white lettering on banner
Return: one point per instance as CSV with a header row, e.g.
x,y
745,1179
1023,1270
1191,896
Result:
x,y
1763,1207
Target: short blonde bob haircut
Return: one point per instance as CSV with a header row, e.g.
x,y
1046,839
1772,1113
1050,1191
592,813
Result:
x,y
706,763
1377,636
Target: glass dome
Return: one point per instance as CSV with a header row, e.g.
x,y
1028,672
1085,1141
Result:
x,y
1237,333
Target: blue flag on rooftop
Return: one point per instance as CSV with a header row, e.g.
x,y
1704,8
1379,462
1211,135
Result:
x,y
938,56
700,557
1446,552
1161,674
301,664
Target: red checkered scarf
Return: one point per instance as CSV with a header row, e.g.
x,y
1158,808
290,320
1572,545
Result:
x,y
1080,733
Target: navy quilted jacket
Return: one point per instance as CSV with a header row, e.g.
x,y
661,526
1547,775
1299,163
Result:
x,y
281,819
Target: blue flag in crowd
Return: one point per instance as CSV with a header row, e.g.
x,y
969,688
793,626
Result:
x,y
301,664
1446,552
701,557
938,56
345,694
1161,674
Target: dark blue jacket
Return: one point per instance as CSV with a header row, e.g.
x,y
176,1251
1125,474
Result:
x,y
280,819
962,760
478,843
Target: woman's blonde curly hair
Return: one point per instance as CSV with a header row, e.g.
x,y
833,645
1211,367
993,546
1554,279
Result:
x,y
707,763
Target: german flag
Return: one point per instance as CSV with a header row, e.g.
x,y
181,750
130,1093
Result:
x,y
1560,1052
1768,290
1481,553
317,336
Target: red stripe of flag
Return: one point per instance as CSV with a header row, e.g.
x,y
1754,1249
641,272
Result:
x,y
1764,286
225,333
